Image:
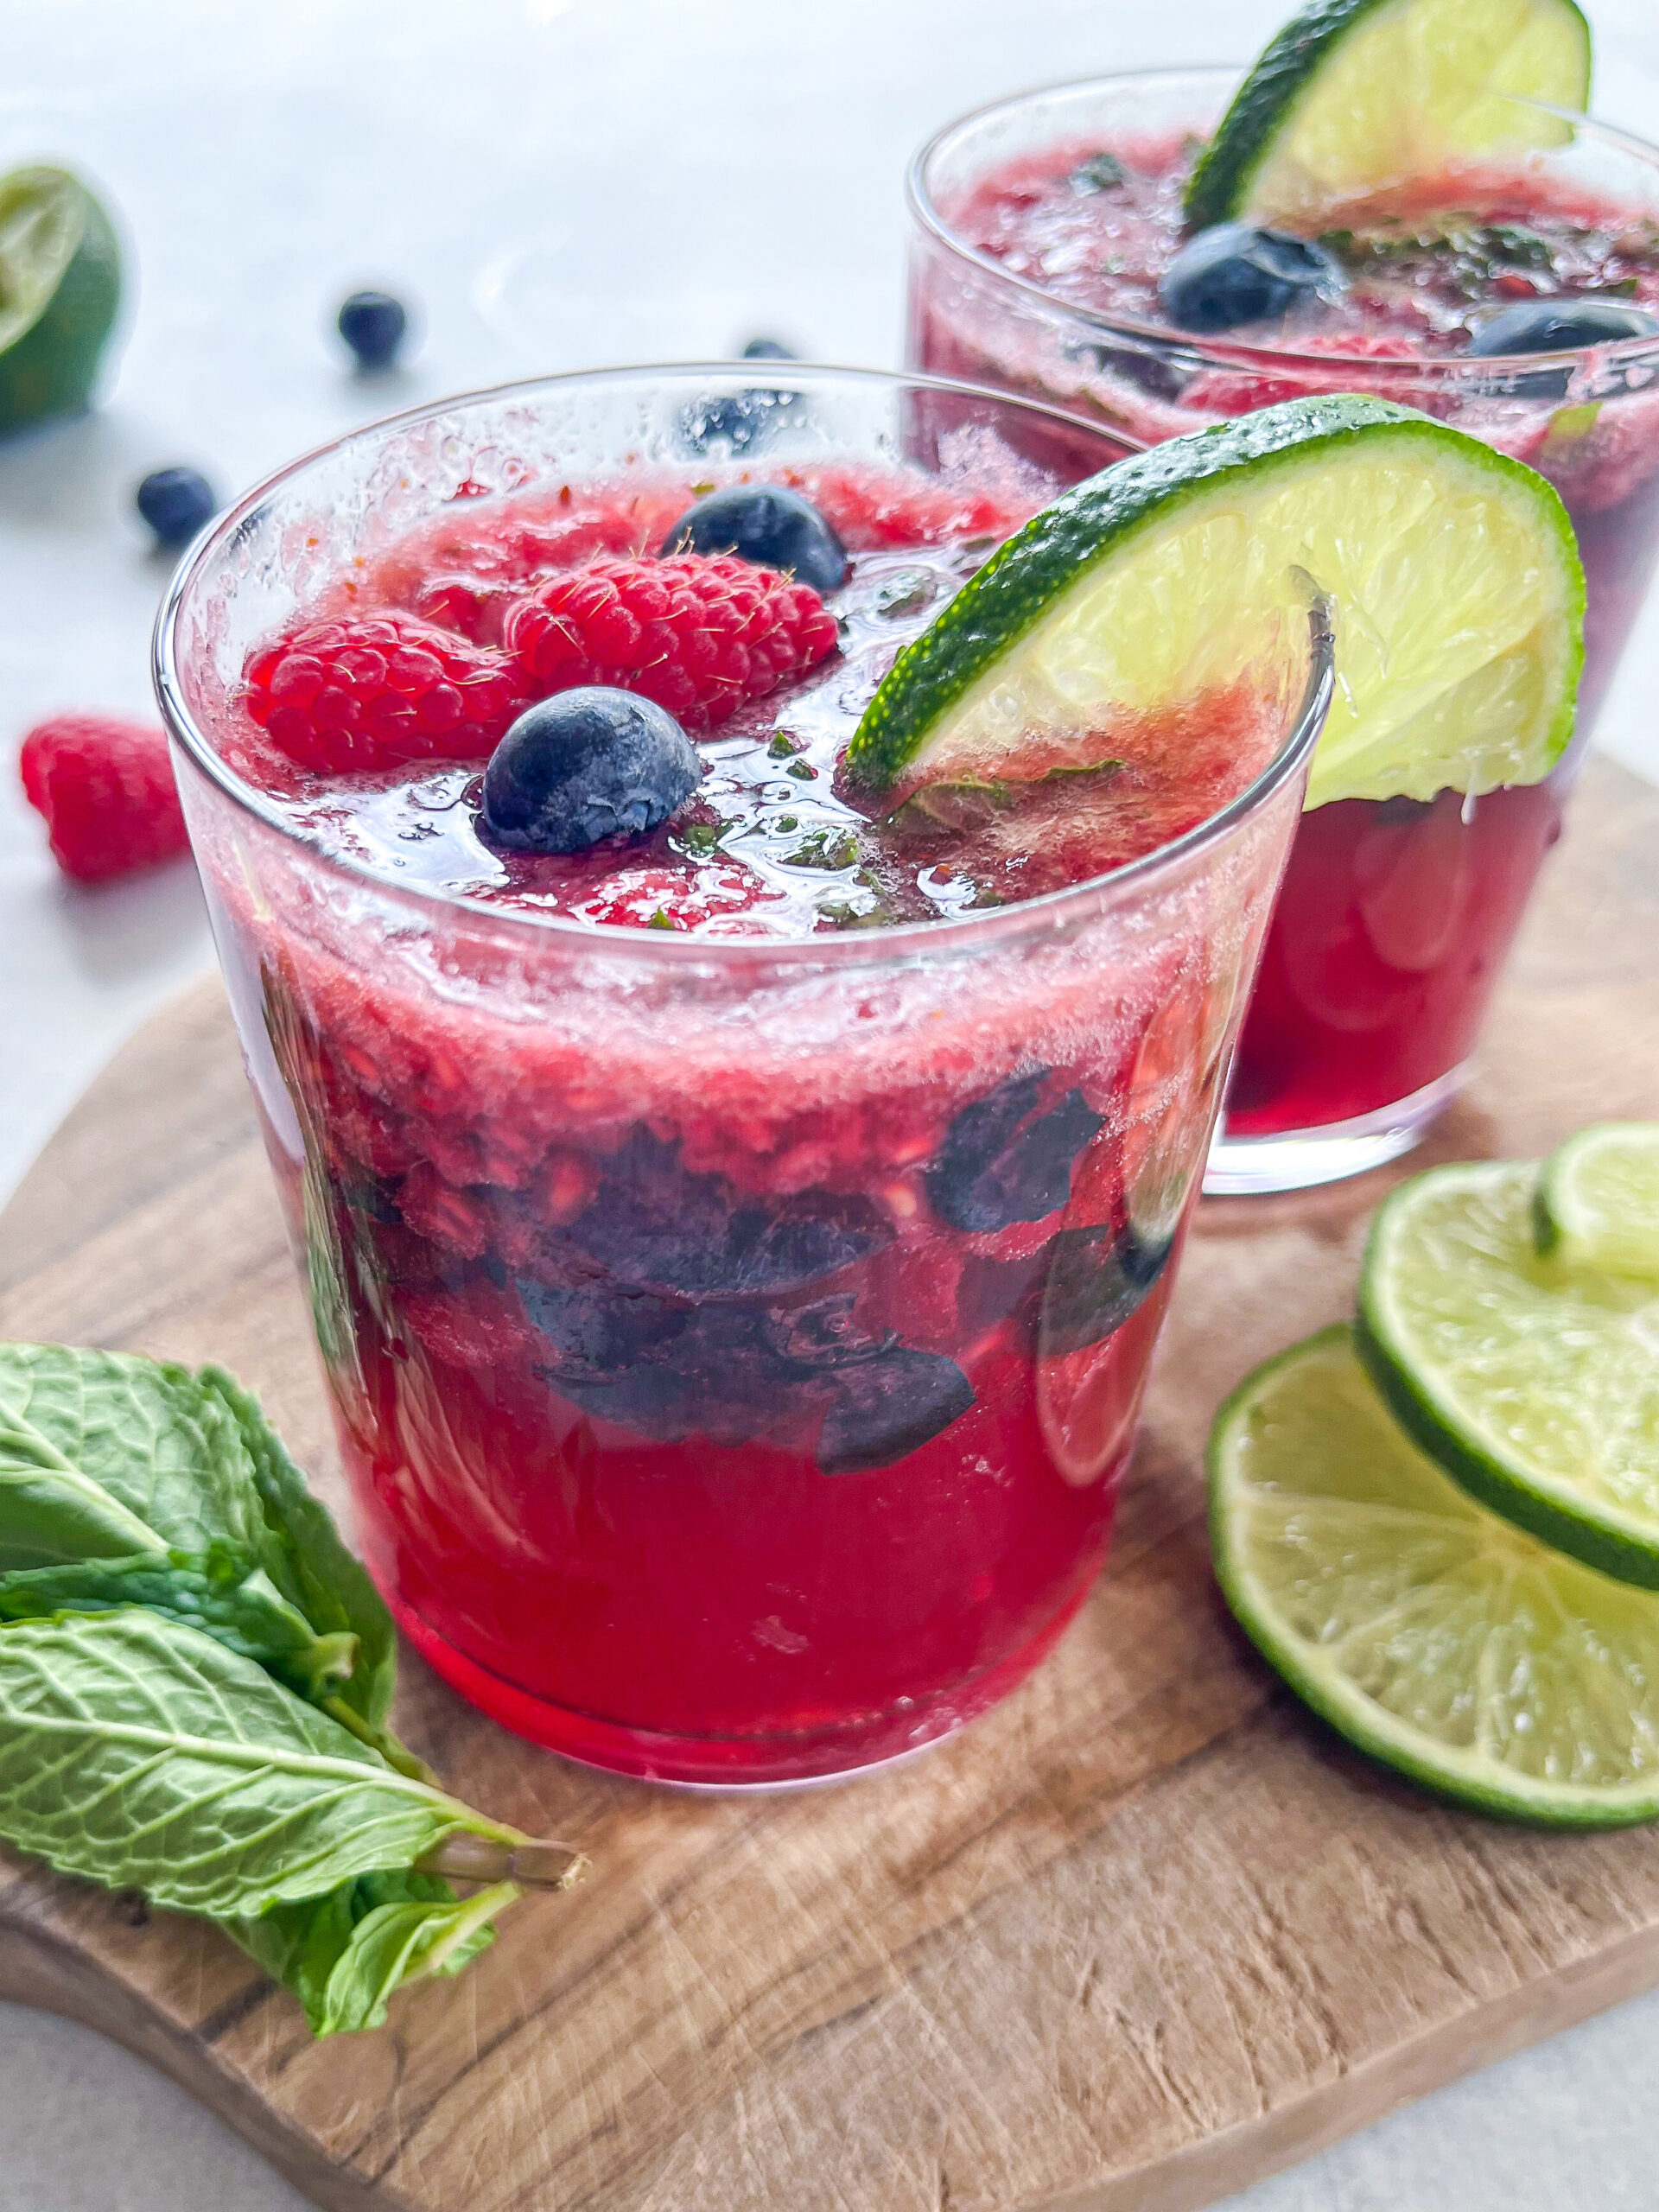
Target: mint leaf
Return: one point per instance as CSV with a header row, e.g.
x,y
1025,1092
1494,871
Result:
x,y
344,1955
828,849
142,1754
103,1455
1100,173
307,1560
221,1592
311,1564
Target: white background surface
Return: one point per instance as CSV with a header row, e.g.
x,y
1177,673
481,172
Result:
x,y
556,183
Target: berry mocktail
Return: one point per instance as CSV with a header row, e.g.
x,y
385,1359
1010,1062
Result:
x,y
1516,299
737,1212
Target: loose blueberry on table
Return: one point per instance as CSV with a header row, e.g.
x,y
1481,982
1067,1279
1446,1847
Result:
x,y
374,325
175,503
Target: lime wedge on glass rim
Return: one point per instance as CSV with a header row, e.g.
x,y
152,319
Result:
x,y
59,288
1452,569
1435,1635
1536,1386
1597,1203
1354,96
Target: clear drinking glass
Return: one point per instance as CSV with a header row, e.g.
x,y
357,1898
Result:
x,y
1396,915
689,1513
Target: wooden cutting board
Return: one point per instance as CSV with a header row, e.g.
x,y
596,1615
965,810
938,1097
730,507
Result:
x,y
1140,1936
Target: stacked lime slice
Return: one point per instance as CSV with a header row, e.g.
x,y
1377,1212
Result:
x,y
1442,1527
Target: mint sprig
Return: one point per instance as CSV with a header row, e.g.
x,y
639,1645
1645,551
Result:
x,y
195,1680
145,1754
344,1955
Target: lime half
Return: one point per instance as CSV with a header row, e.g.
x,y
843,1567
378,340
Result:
x,y
1434,1636
1354,96
60,287
1536,1387
1181,574
1597,1203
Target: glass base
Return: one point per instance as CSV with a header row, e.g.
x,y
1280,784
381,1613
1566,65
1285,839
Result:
x,y
792,1759
1296,1159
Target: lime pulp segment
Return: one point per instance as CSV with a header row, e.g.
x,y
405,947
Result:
x,y
1355,96
1536,1386
1174,574
60,287
1436,1637
1597,1204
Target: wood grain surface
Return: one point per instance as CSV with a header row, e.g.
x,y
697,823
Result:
x,y
1141,1936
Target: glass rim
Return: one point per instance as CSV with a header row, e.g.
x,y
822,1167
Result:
x,y
926,213
872,948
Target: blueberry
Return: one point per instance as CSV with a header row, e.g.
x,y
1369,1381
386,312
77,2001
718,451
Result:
x,y
735,422
1559,325
595,1332
1001,1161
827,1333
1232,273
175,503
373,324
665,1370
653,1224
766,524
1130,362
884,1408
585,764
1097,1278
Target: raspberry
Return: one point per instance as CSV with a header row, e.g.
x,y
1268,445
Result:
x,y
370,691
697,634
105,789
470,606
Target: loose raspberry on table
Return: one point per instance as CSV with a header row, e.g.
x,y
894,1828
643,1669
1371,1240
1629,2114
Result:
x,y
373,691
697,633
104,787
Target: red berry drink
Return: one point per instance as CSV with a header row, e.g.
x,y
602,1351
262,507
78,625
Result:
x,y
1517,299
737,1216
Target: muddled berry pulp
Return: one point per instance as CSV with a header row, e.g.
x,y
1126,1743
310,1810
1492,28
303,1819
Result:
x,y
735,1366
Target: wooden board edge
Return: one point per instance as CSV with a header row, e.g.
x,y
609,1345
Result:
x,y
1190,2179
40,1969
32,1215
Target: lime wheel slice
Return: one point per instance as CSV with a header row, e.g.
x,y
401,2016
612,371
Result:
x,y
1597,1203
1437,1636
1355,96
59,288
1536,1386
1182,573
